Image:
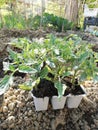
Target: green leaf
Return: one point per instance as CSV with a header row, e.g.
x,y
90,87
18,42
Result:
x,y
44,72
97,33
13,54
95,78
50,64
52,39
75,67
67,73
83,76
83,56
60,59
25,87
57,52
12,67
5,83
61,88
35,83
26,69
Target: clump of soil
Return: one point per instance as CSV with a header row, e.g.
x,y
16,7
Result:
x,y
44,88
77,90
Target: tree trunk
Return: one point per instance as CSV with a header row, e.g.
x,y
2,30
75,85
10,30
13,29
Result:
x,y
71,10
44,5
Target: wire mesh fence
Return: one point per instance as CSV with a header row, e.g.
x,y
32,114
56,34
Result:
x,y
21,13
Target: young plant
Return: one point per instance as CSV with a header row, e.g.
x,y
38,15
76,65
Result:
x,y
22,62
81,61
40,60
55,62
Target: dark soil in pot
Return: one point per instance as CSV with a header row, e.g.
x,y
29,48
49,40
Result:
x,y
77,90
44,88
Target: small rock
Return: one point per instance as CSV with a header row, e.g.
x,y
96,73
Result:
x,y
19,121
22,92
87,127
10,113
6,95
30,113
10,98
44,124
29,96
11,89
97,116
11,106
7,101
14,97
25,118
1,109
28,104
12,125
77,126
3,118
36,128
21,98
10,92
1,115
93,126
39,116
36,123
24,109
26,113
96,122
5,109
18,97
53,124
4,125
10,120
17,92
20,104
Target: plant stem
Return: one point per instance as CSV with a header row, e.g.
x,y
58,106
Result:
x,y
73,79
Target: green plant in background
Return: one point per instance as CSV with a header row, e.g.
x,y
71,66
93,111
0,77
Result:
x,y
56,22
36,22
92,3
2,2
14,21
